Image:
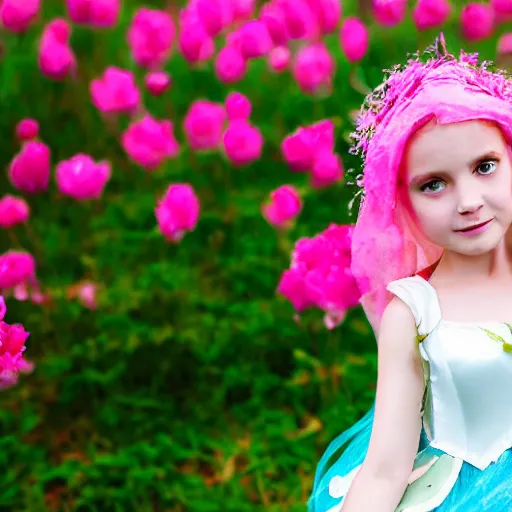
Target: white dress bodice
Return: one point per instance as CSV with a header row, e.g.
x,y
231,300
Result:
x,y
467,409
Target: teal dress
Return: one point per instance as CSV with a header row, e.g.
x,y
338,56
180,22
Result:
x,y
464,459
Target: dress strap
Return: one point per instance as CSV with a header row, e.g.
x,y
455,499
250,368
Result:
x,y
421,297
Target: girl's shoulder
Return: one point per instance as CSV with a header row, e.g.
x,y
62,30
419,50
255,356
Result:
x,y
421,298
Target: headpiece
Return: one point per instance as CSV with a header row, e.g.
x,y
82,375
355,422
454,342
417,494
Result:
x,y
386,245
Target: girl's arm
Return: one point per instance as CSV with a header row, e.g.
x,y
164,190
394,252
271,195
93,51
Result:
x,y
382,480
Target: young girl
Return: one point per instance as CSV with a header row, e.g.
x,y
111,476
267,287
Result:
x,y
432,248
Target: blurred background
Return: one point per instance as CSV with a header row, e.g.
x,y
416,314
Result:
x,y
173,364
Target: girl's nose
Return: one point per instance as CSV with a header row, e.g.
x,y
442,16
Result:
x,y
469,200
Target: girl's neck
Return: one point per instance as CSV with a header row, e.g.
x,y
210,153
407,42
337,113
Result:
x,y
493,265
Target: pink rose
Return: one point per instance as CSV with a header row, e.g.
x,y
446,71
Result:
x,y
13,210
320,275
214,15
502,10
477,21
430,13
56,58
299,19
279,59
81,177
29,170
255,40
149,142
274,17
285,204
204,125
17,268
242,142
238,106
27,129
177,212
327,14
150,37
97,13
16,15
389,12
354,39
242,9
11,351
157,82
313,68
196,45
230,65
301,148
327,169
505,44
115,91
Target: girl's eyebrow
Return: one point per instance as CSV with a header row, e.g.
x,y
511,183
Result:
x,y
424,177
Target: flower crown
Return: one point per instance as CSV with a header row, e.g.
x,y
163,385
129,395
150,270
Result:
x,y
403,81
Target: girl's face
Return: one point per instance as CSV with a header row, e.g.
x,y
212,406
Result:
x,y
458,182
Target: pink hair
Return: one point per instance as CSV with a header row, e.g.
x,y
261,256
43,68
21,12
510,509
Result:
x,y
386,244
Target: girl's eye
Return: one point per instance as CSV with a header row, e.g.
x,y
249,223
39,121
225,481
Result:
x,y
487,167
433,186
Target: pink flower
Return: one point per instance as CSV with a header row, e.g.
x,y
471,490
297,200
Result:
x,y
150,37
215,15
16,15
11,351
354,39
274,17
17,268
430,13
115,91
13,210
279,59
157,82
87,295
98,13
149,142
81,178
320,274
238,106
255,40
505,44
313,68
196,45
502,10
242,9
292,285
204,125
477,21
285,204
301,148
230,65
327,169
85,292
56,58
177,212
79,11
327,14
242,142
389,12
27,129
299,19
29,170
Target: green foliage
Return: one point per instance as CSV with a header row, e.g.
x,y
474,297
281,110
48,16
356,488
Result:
x,y
191,388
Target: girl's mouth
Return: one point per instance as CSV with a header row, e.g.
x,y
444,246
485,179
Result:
x,y
476,228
